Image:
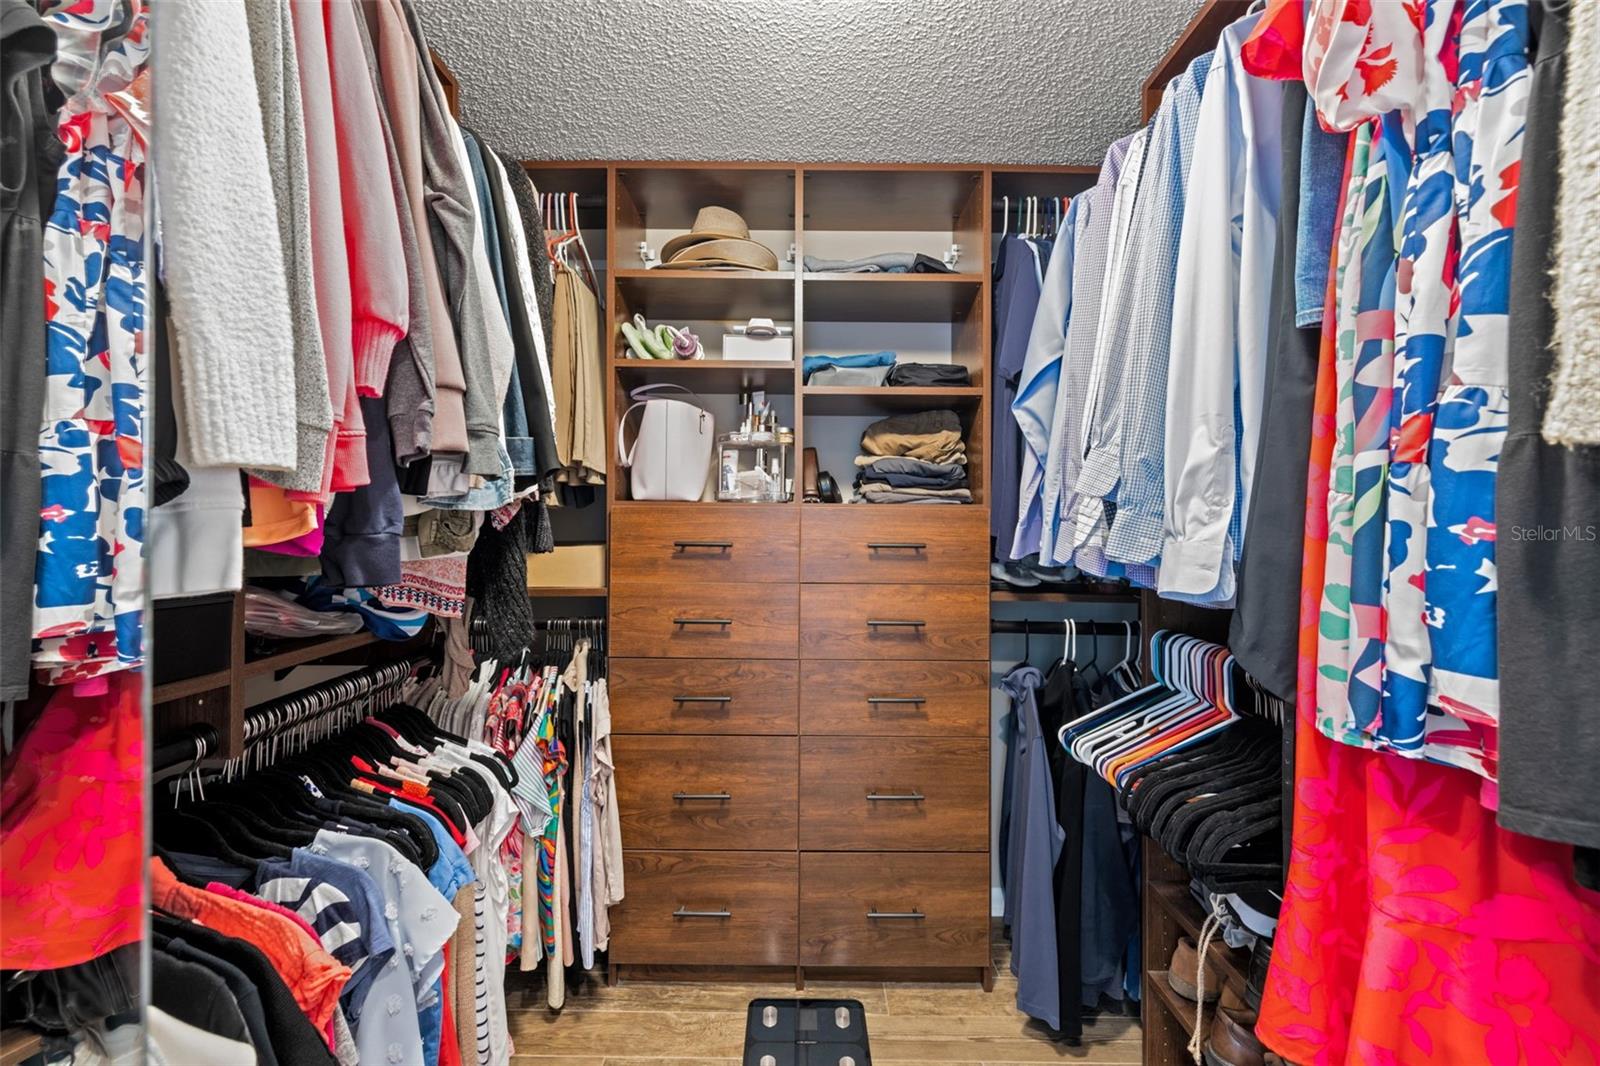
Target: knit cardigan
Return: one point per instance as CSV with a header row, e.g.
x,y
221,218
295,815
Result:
x,y
1573,418
222,255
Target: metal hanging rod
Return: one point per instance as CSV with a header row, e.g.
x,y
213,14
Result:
x,y
1023,627
194,743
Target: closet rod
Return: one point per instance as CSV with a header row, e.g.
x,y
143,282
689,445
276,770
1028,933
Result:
x,y
1022,627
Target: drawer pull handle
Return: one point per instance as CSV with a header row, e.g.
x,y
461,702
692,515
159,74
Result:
x,y
896,699
702,699
895,797
906,916
685,545
895,623
681,796
684,912
702,621
886,545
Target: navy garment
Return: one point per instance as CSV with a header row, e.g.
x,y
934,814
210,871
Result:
x,y
1020,273
1036,845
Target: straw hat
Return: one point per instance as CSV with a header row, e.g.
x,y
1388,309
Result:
x,y
720,238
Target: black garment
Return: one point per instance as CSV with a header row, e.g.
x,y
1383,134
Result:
x,y
939,374
1063,696
1265,630
29,158
71,998
195,995
245,994
1549,733
361,536
927,264
497,579
529,376
1109,907
294,1039
171,480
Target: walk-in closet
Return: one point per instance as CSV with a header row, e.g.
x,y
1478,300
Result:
x,y
794,534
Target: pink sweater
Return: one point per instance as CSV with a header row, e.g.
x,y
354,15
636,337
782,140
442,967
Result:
x,y
380,297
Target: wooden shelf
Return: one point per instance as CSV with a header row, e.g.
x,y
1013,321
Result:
x,y
849,400
18,1045
191,686
668,295
572,591
1174,898
833,297
300,652
708,375
1182,1010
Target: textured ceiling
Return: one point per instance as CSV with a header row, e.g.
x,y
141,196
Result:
x,y
988,81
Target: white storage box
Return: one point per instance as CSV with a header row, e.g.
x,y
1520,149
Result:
x,y
770,349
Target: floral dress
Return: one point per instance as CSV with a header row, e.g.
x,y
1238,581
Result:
x,y
89,590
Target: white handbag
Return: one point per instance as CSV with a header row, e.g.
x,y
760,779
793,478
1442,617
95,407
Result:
x,y
670,457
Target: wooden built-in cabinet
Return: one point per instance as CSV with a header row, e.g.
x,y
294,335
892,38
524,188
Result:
x,y
800,692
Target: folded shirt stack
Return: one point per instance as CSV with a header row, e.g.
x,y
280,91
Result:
x,y
871,369
913,458
827,369
884,263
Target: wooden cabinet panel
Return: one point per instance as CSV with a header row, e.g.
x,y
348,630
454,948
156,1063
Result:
x,y
893,794
703,696
729,542
724,793
706,908
696,619
894,622
894,909
944,545
868,697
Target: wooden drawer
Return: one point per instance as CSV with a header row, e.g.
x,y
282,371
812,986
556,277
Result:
x,y
893,909
695,619
894,622
944,545
711,542
893,794
721,793
703,696
870,697
741,908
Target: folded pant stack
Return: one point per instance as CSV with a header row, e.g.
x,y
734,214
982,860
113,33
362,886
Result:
x,y
915,458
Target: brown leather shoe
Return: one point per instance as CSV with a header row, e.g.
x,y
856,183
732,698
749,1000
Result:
x,y
1183,974
1232,1041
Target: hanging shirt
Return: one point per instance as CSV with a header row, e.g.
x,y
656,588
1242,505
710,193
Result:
x,y
1219,326
1102,429
1134,538
1092,246
1015,301
89,593
1038,385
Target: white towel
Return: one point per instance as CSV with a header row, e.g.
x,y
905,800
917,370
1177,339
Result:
x,y
222,256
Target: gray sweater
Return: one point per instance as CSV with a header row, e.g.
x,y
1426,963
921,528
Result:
x,y
409,389
454,225
277,75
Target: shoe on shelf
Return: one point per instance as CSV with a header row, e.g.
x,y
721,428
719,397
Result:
x,y
1183,974
1015,574
1232,1040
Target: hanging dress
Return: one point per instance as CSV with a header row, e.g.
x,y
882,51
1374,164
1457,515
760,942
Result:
x,y
89,594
